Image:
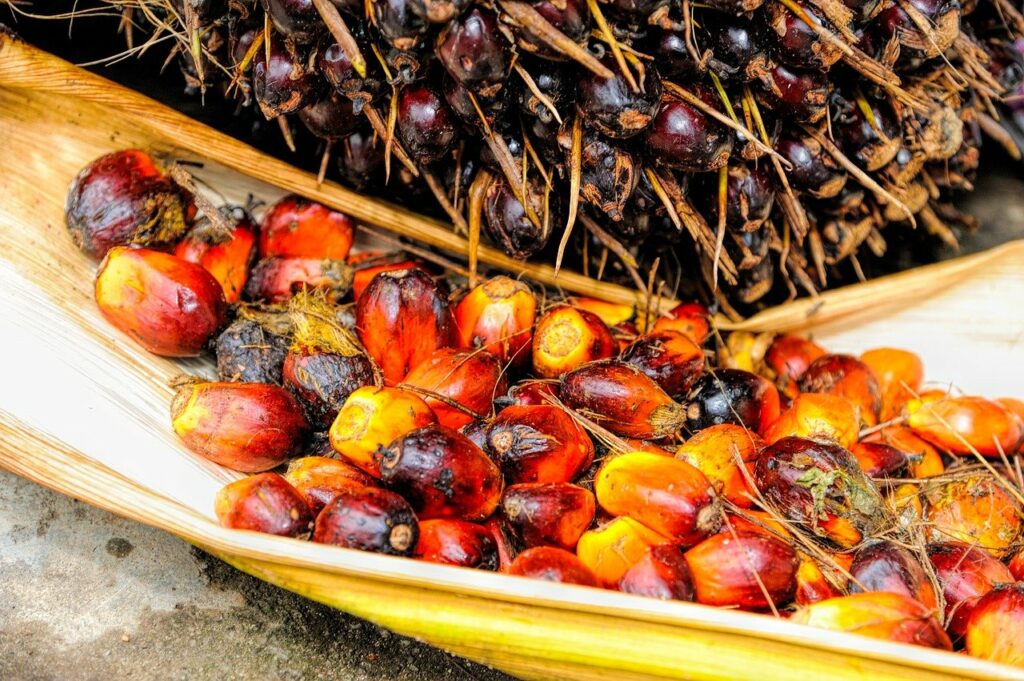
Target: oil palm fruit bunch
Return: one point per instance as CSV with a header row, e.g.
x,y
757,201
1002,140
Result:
x,y
756,149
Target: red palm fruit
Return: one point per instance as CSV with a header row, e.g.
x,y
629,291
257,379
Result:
x,y
612,314
993,630
662,573
319,479
811,583
456,542
667,495
276,280
743,569
324,380
845,376
820,487
167,305
885,566
886,616
1016,565
624,333
789,357
977,511
965,573
552,565
732,396
533,392
227,257
248,427
263,503
125,198
718,452
365,273
959,424
644,446
368,519
371,419
504,541
923,460
623,399
879,460
498,316
471,379
548,513
610,550
566,337
690,319
824,418
670,358
442,474
295,227
756,521
402,317
539,443
899,374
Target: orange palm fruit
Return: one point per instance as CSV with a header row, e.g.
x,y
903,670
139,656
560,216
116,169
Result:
x,y
612,314
899,374
965,573
228,257
886,616
879,460
976,510
319,479
667,495
442,474
732,396
540,443
718,452
820,487
671,359
470,379
690,319
371,419
248,427
401,318
169,306
498,316
610,550
959,424
845,376
788,357
621,398
548,513
905,503
566,337
993,629
299,228
814,416
750,570
885,566
662,573
276,280
552,565
756,521
456,542
1014,405
368,519
923,460
366,270
263,503
811,583
645,446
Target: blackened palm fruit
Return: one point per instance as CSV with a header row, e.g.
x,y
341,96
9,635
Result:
x,y
334,65
610,105
298,20
731,396
286,82
426,124
571,17
323,381
508,224
474,52
737,47
812,168
250,352
668,47
330,117
360,157
399,24
872,141
800,94
749,196
794,42
685,138
553,81
637,9
608,176
459,100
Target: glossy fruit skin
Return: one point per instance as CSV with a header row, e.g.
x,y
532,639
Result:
x,y
684,138
263,503
398,22
532,392
690,319
286,83
360,158
820,486
848,377
276,280
965,573
471,379
566,337
456,542
886,616
611,549
365,273
714,450
498,316
167,305
539,443
994,623
732,396
402,318
879,460
248,352
332,117
899,373
426,124
789,357
671,359
548,513
612,107
959,424
227,259
368,519
814,416
623,399
371,419
797,44
977,511
667,495
442,474
885,566
724,568
552,565
662,573
297,19
323,381
800,94
509,225
319,479
814,170
299,228
473,51
248,427
812,585
124,198
923,460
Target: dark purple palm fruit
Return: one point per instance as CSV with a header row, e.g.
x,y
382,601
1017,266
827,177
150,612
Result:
x,y
331,117
336,68
426,124
799,94
512,137
748,249
287,82
942,16
610,105
754,283
360,158
608,173
737,45
544,139
474,52
636,11
297,20
668,47
458,99
734,6
794,42
750,194
398,22
684,137
870,141
508,224
571,17
553,81
813,169
439,11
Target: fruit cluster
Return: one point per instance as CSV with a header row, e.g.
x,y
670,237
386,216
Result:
x,y
564,439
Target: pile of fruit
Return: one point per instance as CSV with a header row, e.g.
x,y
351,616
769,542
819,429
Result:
x,y
762,148
568,440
